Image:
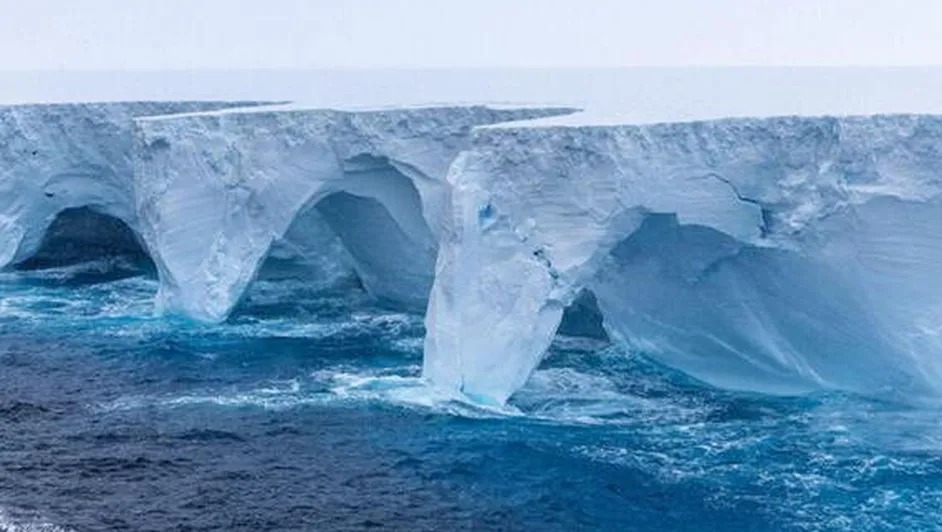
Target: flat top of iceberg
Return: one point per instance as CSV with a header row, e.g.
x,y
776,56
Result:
x,y
609,96
301,108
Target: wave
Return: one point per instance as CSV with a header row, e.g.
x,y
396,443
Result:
x,y
15,522
583,382
564,395
325,388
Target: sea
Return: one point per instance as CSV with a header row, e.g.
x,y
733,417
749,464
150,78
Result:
x,y
305,410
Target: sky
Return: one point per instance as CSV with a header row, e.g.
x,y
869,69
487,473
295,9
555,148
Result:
x,y
353,34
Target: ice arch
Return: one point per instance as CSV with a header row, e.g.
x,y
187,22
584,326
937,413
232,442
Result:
x,y
82,235
216,191
775,255
764,319
78,190
311,251
372,229
583,318
393,250
66,156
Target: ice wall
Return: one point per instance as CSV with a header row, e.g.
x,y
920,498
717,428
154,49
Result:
x,y
215,191
778,255
58,157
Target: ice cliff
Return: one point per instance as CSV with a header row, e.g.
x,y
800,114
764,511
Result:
x,y
216,192
777,255
58,157
772,254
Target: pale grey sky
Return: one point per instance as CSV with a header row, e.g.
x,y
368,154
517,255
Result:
x,y
195,34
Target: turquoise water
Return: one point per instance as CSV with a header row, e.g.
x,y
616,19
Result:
x,y
306,411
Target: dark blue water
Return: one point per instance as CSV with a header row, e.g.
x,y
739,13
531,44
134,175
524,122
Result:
x,y
305,412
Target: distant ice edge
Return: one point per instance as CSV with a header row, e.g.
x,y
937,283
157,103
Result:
x,y
778,255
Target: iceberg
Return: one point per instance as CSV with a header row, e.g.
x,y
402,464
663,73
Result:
x,y
68,156
217,191
778,255
209,190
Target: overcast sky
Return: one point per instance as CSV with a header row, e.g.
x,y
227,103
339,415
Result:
x,y
192,34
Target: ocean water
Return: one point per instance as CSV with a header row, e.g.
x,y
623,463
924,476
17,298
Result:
x,y
305,411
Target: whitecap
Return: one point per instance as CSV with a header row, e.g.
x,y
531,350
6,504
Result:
x,y
9,523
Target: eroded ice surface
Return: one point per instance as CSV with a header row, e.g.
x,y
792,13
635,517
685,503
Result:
x,y
58,157
217,190
772,254
776,255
